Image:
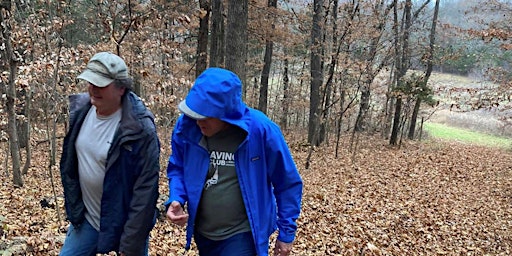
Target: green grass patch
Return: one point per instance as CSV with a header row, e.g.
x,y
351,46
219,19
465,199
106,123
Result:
x,y
451,133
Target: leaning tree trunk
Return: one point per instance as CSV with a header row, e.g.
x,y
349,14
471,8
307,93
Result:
x,y
54,115
263,98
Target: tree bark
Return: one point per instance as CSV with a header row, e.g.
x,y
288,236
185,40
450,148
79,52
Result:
x,y
217,35
236,40
428,72
14,146
414,117
263,98
339,122
316,72
286,101
335,52
364,105
27,124
373,64
202,38
402,57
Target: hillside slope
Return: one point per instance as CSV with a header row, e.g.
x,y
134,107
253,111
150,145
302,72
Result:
x,y
425,198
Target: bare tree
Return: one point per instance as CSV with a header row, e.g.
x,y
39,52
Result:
x,y
402,59
6,21
402,63
316,72
267,62
327,93
429,59
373,63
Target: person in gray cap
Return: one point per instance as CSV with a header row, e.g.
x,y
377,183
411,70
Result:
x,y
109,165
232,179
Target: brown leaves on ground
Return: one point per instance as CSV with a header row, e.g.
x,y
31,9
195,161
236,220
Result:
x,y
424,198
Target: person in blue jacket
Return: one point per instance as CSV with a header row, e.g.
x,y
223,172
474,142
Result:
x,y
232,178
109,165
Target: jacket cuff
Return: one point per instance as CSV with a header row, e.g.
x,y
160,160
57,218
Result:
x,y
286,238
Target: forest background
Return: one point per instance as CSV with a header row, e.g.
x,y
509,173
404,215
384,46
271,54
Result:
x,y
351,83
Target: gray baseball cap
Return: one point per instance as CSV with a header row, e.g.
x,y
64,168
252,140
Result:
x,y
103,68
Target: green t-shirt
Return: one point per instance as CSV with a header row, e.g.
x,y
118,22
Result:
x,y
221,212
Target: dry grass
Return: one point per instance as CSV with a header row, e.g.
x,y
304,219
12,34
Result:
x,y
458,96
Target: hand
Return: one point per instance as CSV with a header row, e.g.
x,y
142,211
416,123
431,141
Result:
x,y
282,248
176,214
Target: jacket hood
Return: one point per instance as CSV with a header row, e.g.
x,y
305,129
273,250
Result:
x,y
216,93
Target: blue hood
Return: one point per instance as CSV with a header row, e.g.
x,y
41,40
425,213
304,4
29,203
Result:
x,y
217,93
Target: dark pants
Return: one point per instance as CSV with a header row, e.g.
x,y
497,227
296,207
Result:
x,y
241,244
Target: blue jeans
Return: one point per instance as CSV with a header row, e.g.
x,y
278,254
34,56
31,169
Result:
x,y
83,241
241,244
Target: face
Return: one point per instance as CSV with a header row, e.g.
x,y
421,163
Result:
x,y
211,126
107,100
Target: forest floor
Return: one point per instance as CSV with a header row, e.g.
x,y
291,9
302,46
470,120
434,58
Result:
x,y
422,198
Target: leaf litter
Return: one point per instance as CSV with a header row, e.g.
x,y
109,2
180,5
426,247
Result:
x,y
422,198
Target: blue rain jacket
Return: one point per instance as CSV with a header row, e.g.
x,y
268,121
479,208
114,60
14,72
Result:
x,y
267,174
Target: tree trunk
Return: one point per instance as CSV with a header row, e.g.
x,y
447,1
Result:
x,y
28,150
364,105
217,35
202,38
54,114
21,123
340,122
388,107
236,40
402,56
414,117
316,73
396,122
286,101
430,61
262,102
335,51
14,146
137,77
374,64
